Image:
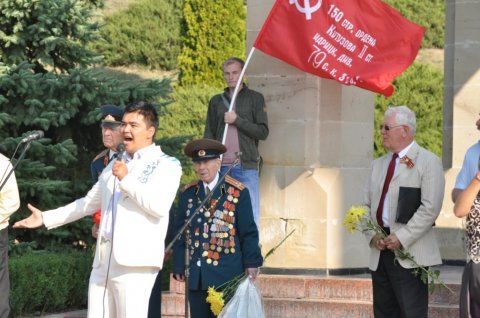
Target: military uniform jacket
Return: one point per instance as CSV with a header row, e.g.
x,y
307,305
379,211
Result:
x,y
223,235
99,163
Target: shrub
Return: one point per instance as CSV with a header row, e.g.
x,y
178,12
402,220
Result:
x,y
214,31
184,120
421,89
48,282
430,14
147,33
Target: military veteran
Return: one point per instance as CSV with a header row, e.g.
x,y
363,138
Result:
x,y
223,239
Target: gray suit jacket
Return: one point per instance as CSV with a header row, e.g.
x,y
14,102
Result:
x,y
417,236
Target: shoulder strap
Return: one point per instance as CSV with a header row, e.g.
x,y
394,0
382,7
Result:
x,y
237,184
189,185
226,103
101,154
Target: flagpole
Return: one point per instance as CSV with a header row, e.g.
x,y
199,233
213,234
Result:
x,y
235,92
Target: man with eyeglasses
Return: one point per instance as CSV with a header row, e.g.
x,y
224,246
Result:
x,y
404,194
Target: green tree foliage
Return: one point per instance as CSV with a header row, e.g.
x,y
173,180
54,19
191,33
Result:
x,y
45,84
214,31
184,120
147,34
430,14
421,89
47,34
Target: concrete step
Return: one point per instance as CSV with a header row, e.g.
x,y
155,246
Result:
x,y
285,296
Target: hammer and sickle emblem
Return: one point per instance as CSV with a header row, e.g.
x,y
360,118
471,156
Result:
x,y
307,8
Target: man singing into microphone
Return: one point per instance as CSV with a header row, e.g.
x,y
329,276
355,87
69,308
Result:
x,y
135,195
224,237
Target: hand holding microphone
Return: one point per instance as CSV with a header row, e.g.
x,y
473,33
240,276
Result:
x,y
119,168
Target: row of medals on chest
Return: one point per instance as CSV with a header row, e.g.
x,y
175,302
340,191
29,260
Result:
x,y
219,227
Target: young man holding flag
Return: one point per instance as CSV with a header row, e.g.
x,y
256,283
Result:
x,y
247,124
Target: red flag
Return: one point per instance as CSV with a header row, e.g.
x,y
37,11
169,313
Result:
x,y
365,43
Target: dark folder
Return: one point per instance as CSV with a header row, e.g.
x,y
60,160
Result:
x,y
409,199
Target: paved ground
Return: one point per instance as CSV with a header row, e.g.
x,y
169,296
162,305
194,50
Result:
x,y
448,274
70,314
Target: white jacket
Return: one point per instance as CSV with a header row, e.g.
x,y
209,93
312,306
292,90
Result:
x,y
142,211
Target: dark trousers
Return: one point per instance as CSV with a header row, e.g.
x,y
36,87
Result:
x,y
155,302
199,308
4,277
397,293
470,292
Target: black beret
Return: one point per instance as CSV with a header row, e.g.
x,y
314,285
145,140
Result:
x,y
204,149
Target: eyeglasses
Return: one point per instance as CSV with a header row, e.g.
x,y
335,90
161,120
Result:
x,y
388,128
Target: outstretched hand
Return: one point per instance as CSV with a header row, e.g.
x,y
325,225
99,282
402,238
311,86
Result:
x,y
33,221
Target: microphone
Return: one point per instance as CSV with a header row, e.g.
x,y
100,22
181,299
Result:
x,y
37,134
120,151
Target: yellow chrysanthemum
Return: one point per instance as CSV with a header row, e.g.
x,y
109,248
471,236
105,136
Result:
x,y
215,298
354,214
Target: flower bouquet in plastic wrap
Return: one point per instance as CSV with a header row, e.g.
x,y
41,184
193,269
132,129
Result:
x,y
241,294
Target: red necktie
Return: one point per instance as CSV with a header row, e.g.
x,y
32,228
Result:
x,y
388,178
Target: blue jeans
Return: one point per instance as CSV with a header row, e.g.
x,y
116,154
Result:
x,y
249,177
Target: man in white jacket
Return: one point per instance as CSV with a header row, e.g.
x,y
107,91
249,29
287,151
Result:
x,y
9,203
134,193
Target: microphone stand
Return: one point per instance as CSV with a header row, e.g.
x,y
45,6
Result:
x,y
20,158
187,231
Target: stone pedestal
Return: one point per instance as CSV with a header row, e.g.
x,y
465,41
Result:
x,y
316,160
461,109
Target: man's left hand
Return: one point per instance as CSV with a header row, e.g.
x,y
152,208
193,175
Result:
x,y
392,242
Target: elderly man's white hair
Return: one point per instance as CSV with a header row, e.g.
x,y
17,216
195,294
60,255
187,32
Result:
x,y
403,116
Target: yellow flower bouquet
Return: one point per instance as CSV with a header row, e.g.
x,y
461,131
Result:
x,y
357,219
240,290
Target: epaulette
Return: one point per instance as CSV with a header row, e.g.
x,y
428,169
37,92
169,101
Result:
x,y
189,185
101,154
237,184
